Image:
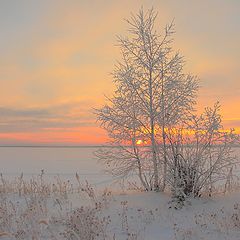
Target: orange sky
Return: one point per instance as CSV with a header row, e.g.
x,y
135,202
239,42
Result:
x,y
56,57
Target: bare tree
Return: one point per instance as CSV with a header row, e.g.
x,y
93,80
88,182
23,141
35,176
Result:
x,y
120,121
152,93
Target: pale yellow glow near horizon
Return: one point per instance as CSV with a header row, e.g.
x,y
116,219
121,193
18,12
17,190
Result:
x,y
56,59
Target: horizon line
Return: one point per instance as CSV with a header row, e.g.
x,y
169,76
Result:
x,y
54,146
74,146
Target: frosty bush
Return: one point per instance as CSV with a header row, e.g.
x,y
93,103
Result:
x,y
200,155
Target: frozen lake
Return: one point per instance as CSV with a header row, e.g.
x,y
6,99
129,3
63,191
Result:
x,y
55,161
61,161
31,160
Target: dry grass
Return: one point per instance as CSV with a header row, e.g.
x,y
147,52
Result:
x,y
36,209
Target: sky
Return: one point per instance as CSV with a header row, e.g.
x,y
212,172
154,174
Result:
x,y
57,56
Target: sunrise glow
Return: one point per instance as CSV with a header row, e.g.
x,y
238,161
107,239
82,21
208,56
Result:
x,y
56,61
139,142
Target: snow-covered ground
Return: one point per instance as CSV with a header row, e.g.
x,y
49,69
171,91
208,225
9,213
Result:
x,y
65,206
39,209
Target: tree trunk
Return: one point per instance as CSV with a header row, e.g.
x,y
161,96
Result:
x,y
153,141
163,134
164,159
